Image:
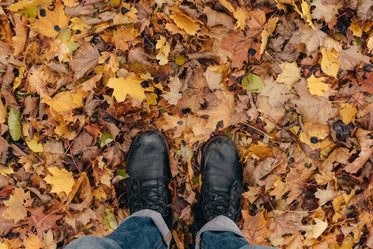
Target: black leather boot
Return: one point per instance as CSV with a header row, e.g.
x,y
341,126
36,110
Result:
x,y
149,173
221,182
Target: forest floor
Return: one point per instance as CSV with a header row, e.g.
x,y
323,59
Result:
x,y
290,81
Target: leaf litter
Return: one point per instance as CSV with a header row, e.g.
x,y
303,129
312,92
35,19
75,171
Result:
x,y
289,81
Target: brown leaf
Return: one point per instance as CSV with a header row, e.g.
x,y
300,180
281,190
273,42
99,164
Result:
x,y
352,57
40,221
366,144
255,228
84,60
6,225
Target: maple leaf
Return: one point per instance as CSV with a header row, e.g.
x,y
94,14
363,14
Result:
x,y
329,62
61,180
220,109
366,145
127,86
50,23
316,86
41,221
63,103
174,94
348,113
290,74
367,84
352,57
6,225
324,10
33,242
313,39
164,50
255,228
85,59
184,22
17,204
313,109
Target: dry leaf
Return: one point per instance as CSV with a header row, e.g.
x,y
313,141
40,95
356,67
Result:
x,y
61,180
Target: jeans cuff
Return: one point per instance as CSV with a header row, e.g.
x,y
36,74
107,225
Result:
x,y
158,221
220,223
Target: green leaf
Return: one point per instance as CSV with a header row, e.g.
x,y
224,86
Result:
x,y
31,12
122,173
14,123
105,139
252,83
111,221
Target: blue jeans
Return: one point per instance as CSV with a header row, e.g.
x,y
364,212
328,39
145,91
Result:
x,y
146,229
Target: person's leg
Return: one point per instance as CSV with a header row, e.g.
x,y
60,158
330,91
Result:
x,y
148,198
144,229
219,205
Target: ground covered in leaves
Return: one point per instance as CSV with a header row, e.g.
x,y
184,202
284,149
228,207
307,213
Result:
x,y
290,81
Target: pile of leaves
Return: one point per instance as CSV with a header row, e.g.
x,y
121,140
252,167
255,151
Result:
x,y
290,81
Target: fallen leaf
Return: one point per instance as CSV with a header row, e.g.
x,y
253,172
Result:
x,y
348,113
184,22
50,23
329,62
313,109
32,241
325,9
352,57
41,221
174,95
127,86
61,180
85,60
17,204
14,123
164,50
316,86
366,145
290,74
255,228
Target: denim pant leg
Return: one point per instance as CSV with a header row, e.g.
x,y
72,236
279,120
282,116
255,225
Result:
x,y
222,232
143,229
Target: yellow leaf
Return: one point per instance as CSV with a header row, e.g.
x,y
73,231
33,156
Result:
x,y
28,4
6,171
61,180
152,100
63,104
127,14
3,245
34,145
314,136
70,3
316,86
123,86
370,43
16,205
164,50
329,62
290,74
32,241
356,29
315,230
227,5
306,13
50,23
184,22
348,113
279,188
241,16
79,24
